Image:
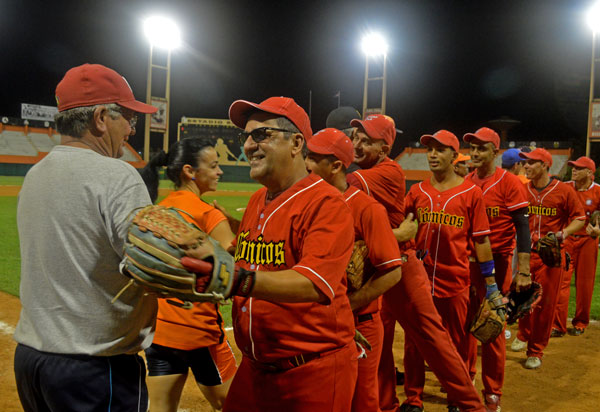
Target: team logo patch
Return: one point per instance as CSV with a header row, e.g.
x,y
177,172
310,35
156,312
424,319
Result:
x,y
440,218
259,252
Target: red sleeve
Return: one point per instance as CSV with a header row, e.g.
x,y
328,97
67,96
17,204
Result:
x,y
327,244
409,202
379,238
574,208
353,180
480,225
517,193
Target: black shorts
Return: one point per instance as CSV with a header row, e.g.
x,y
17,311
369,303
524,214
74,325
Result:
x,y
57,382
210,365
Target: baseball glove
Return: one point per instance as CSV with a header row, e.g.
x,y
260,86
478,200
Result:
x,y
523,302
359,268
158,239
595,217
548,248
490,319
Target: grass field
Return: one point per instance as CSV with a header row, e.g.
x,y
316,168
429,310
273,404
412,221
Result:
x,y
9,242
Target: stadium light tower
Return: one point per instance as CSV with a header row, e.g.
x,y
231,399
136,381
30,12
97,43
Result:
x,y
593,134
161,33
374,45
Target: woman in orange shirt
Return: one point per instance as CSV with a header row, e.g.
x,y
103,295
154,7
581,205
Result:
x,y
189,338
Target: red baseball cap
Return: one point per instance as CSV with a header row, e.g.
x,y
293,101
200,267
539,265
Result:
x,y
282,106
583,162
485,134
444,137
538,154
92,84
332,141
377,126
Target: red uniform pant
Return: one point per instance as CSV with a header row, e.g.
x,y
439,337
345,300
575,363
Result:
x,y
388,401
493,354
535,327
411,303
323,384
366,394
584,257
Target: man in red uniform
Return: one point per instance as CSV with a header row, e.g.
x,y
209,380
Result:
x,y
583,248
451,213
409,301
295,329
553,207
506,204
330,153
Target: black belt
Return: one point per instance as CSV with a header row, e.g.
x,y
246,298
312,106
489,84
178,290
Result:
x,y
364,318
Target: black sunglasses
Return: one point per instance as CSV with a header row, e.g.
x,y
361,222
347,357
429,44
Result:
x,y
260,134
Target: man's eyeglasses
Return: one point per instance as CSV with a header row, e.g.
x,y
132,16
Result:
x,y
260,134
128,115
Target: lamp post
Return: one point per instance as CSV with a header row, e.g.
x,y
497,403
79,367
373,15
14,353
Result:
x,y
374,45
593,20
162,33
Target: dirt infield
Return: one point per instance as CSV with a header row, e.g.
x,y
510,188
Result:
x,y
569,379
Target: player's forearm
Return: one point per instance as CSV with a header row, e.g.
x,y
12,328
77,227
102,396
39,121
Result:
x,y
483,249
373,288
286,286
523,261
573,227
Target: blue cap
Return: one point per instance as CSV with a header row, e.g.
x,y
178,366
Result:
x,y
510,157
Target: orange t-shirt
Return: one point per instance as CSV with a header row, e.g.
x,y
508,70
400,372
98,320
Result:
x,y
201,326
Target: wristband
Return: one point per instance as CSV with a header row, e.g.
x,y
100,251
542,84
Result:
x,y
489,289
487,268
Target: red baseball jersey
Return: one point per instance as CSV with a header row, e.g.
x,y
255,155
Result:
x,y
552,208
447,222
590,200
503,193
386,183
371,224
307,228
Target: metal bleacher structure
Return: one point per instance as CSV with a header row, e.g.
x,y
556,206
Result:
x,y
22,144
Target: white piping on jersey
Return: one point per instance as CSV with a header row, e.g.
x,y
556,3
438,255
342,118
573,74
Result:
x,y
496,182
364,183
389,261
353,194
290,198
320,277
541,204
428,226
250,327
518,205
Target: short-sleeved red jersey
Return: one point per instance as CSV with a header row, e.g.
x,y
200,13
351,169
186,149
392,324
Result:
x,y
371,224
590,200
386,183
552,208
307,228
503,193
447,222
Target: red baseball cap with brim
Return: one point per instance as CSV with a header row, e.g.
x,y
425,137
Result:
x,y
538,154
92,84
484,134
378,127
240,110
334,142
444,137
583,162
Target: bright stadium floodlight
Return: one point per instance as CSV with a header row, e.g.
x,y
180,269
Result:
x,y
374,44
162,32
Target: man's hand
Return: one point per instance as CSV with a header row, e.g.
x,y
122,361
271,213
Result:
x,y
593,230
522,281
407,229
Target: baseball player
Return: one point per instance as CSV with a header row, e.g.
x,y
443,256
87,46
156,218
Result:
x,y
295,326
553,207
77,351
330,152
461,167
506,204
450,212
583,249
409,301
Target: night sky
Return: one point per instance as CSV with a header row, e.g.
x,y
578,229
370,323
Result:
x,y
452,64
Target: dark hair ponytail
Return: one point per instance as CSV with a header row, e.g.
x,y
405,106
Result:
x,y
181,153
